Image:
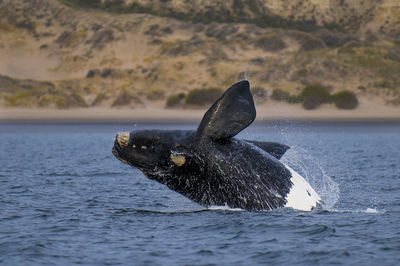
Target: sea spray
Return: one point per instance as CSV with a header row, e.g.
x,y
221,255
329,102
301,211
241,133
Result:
x,y
304,163
309,167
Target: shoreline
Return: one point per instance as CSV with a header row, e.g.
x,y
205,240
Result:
x,y
280,113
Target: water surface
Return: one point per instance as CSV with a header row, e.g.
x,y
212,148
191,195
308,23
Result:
x,y
65,199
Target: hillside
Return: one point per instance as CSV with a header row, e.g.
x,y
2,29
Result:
x,y
135,53
307,15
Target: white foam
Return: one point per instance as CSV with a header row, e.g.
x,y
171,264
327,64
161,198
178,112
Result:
x,y
225,208
369,210
301,195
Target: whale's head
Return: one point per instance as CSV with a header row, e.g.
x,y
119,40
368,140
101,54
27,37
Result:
x,y
149,150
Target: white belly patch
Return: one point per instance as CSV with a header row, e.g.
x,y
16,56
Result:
x,y
301,195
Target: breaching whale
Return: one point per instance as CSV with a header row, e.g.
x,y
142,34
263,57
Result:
x,y
211,167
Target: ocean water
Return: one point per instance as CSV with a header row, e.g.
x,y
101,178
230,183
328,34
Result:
x,y
65,199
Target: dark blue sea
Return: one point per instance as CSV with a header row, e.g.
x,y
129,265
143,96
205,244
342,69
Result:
x,y
66,200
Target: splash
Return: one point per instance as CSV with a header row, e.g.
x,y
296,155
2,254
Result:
x,y
371,210
244,75
368,211
224,208
309,167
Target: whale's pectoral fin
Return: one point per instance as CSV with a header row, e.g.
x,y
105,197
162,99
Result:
x,y
230,114
275,149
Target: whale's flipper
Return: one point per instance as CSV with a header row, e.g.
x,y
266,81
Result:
x,y
275,149
230,114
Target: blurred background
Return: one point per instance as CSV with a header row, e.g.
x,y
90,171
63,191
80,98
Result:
x,y
156,54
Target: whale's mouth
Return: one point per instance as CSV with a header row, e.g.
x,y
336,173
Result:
x,y
121,141
116,151
141,153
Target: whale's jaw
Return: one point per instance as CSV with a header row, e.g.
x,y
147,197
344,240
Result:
x,y
301,195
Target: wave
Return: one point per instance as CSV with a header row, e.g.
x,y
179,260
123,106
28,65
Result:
x,y
368,210
133,210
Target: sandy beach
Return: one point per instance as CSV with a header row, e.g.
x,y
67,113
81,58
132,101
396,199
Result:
x,y
268,112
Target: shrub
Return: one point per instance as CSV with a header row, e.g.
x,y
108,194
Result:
x,y
203,96
312,102
174,100
86,3
307,41
124,98
45,101
93,73
62,102
345,100
293,99
280,95
68,101
313,96
154,94
27,98
302,72
315,90
270,43
362,88
108,72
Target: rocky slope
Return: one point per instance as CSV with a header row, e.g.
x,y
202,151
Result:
x,y
113,53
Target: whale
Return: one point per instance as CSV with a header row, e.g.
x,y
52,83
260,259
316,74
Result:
x,y
212,167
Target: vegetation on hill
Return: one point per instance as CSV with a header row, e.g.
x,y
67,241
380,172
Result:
x,y
304,15
71,53
203,97
314,95
242,11
175,100
345,100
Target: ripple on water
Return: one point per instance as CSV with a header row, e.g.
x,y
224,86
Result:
x,y
71,202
